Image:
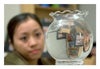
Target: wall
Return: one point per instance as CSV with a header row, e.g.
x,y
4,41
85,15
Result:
x,y
10,10
91,18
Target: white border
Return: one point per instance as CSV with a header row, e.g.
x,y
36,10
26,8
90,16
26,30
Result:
x,y
49,1
2,2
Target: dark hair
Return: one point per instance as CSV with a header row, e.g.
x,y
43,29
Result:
x,y
18,19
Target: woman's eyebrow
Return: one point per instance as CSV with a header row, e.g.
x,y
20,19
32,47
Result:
x,y
24,33
27,33
35,30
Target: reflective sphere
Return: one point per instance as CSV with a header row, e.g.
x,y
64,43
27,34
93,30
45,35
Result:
x,y
69,38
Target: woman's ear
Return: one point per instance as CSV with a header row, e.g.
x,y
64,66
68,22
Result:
x,y
11,47
9,42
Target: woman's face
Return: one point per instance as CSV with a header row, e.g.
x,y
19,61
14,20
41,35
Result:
x,y
29,39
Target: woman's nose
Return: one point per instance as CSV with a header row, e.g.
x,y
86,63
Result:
x,y
32,42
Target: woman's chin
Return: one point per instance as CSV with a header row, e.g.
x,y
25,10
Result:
x,y
37,56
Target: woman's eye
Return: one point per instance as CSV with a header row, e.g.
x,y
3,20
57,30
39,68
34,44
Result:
x,y
37,34
24,38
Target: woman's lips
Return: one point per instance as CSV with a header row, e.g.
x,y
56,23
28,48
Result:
x,y
35,51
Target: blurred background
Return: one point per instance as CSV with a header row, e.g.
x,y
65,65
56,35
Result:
x,y
42,11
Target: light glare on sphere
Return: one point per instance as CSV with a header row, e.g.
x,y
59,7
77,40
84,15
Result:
x,y
69,40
